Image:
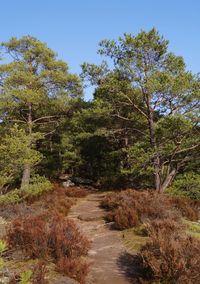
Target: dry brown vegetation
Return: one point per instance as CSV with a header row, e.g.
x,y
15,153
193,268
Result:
x,y
51,238
74,268
129,208
41,230
170,255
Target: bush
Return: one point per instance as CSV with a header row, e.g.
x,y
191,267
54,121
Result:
x,y
171,256
40,237
130,207
56,201
29,192
123,217
12,197
39,272
29,234
52,237
65,240
187,184
3,247
39,186
186,207
74,268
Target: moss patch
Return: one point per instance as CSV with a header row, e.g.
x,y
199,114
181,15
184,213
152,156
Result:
x,y
133,240
193,228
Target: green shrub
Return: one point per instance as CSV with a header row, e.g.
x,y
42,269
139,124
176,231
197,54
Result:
x,y
12,197
187,184
26,277
36,188
3,247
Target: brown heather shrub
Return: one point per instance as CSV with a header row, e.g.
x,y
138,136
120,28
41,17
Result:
x,y
74,268
130,207
188,208
57,201
123,217
39,237
60,204
29,234
39,272
171,256
52,201
112,200
65,239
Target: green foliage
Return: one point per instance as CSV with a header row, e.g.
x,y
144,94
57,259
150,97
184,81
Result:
x,y
15,151
187,184
193,228
141,129
3,247
36,92
36,188
26,277
153,106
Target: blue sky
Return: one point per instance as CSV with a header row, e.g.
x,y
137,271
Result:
x,y
73,28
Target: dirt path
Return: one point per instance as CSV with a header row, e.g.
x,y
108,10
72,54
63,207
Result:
x,y
107,250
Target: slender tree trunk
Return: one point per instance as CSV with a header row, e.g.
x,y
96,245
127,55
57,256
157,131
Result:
x,y
168,180
156,159
156,164
27,167
26,175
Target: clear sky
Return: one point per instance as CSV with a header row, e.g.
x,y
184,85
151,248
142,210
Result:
x,y
73,28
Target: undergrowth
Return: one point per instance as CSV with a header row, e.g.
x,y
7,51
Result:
x,y
34,190
50,237
170,256
41,231
161,228
130,208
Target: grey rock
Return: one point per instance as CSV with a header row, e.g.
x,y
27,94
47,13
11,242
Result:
x,y
4,280
68,183
80,180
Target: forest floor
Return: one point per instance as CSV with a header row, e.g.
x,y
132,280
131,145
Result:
x,y
110,261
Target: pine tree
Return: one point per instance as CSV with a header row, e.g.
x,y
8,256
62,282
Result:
x,y
149,89
36,90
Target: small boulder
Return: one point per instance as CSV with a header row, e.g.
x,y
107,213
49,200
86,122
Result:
x,y
68,183
80,180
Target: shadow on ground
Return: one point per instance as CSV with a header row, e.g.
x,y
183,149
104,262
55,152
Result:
x,y
130,264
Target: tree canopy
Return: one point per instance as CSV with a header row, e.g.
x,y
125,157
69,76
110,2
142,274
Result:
x,y
141,129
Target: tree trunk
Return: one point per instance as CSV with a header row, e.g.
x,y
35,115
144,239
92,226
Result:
x,y
27,167
156,164
26,175
167,181
156,159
